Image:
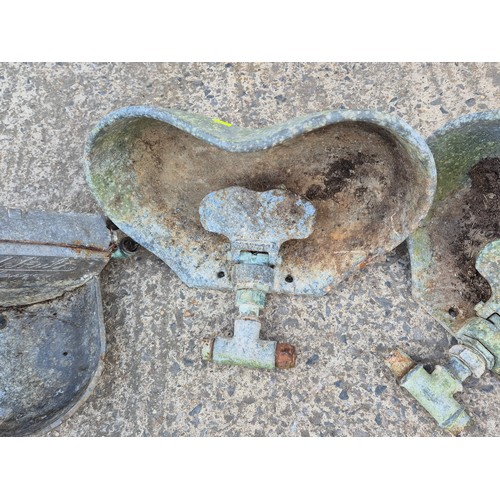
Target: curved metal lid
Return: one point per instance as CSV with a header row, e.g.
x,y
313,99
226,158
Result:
x,y
44,254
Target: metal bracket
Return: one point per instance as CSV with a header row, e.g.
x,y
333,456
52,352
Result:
x,y
256,225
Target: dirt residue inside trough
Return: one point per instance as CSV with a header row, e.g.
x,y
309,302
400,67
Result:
x,y
366,188
358,177
337,177
462,225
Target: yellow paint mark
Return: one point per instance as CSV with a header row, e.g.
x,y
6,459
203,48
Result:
x,y
216,120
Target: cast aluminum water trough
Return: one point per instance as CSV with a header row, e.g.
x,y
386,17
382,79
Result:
x,y
336,190
52,338
455,261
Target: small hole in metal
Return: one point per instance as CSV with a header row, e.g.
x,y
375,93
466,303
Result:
x,y
289,279
65,353
453,312
221,274
3,321
129,244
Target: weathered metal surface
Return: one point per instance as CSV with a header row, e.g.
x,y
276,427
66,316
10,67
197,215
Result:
x,y
126,248
399,363
286,356
369,176
455,260
245,348
488,265
479,351
472,360
51,326
483,332
434,391
257,222
51,356
464,217
43,254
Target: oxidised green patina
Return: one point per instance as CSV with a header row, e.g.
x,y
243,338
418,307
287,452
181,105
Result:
x,y
458,147
370,176
290,208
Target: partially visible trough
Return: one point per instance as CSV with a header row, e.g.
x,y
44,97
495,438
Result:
x,y
455,260
52,339
464,217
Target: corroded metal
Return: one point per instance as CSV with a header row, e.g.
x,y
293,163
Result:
x,y
286,356
51,327
478,351
369,176
51,357
488,265
435,391
256,224
399,363
461,230
43,255
444,249
245,347
126,248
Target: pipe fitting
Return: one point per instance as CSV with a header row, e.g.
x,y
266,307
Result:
x,y
434,391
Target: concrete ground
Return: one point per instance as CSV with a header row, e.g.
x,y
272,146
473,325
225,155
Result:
x,y
154,383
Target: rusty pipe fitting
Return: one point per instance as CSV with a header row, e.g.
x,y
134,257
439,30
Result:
x,y
286,356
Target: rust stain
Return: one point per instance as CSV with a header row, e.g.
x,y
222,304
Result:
x,y
286,357
76,245
399,363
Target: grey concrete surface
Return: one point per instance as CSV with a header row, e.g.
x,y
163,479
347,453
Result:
x,y
154,383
